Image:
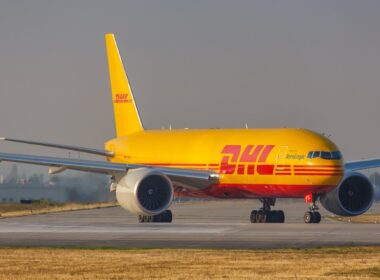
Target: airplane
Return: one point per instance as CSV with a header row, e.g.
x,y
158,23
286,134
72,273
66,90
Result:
x,y
148,168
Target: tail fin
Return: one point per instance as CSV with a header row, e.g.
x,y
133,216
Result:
x,y
127,119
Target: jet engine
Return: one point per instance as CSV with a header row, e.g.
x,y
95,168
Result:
x,y
352,197
144,191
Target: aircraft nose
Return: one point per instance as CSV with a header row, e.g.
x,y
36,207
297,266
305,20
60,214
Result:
x,y
326,166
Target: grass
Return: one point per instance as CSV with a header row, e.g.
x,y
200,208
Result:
x,y
361,219
16,209
56,263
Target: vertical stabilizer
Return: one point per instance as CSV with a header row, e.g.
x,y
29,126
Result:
x,y
127,119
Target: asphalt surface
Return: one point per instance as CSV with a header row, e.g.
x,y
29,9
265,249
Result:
x,y
215,224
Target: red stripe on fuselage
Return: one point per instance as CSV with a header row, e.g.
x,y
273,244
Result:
x,y
176,164
264,190
317,166
318,174
317,170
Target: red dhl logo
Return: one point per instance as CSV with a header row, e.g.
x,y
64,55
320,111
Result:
x,y
242,161
122,98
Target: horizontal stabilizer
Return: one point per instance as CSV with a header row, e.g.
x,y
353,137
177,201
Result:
x,y
65,147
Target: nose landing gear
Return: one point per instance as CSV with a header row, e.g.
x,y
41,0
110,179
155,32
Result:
x,y
266,215
312,216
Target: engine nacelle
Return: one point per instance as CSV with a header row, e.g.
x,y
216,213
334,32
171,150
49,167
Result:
x,y
354,196
144,191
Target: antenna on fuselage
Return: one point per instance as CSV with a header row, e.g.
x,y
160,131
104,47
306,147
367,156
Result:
x,y
246,125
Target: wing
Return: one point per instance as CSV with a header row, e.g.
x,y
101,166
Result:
x,y
187,178
362,164
60,146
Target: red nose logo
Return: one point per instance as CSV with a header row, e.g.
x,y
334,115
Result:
x,y
122,98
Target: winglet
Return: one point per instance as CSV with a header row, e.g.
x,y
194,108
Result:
x,y
127,119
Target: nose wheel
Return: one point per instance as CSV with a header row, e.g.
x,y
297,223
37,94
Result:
x,y
313,216
164,217
265,214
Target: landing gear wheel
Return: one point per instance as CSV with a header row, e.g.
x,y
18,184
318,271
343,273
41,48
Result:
x,y
164,217
157,218
281,216
265,214
308,217
271,216
261,216
253,216
316,217
277,216
168,216
141,219
312,216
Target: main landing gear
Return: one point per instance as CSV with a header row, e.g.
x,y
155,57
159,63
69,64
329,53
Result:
x,y
164,217
266,215
313,216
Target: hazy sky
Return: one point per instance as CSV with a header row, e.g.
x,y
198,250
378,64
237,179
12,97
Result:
x,y
313,64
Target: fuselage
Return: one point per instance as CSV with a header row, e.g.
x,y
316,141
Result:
x,y
283,162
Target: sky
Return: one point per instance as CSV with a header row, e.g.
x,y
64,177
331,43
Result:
x,y
196,64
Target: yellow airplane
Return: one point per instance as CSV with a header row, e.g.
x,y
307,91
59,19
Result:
x,y
149,167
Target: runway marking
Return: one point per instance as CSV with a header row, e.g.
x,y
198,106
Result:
x,y
21,228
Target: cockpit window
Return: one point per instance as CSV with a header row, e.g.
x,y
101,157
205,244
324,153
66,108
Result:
x,y
326,155
316,154
335,155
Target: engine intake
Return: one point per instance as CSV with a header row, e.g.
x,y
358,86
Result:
x,y
354,196
144,191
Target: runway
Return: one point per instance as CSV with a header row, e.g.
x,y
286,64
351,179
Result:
x,y
215,224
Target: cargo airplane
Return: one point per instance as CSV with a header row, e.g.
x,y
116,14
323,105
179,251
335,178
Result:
x,y
147,168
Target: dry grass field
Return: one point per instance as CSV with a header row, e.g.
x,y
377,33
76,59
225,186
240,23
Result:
x,y
17,210
326,263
